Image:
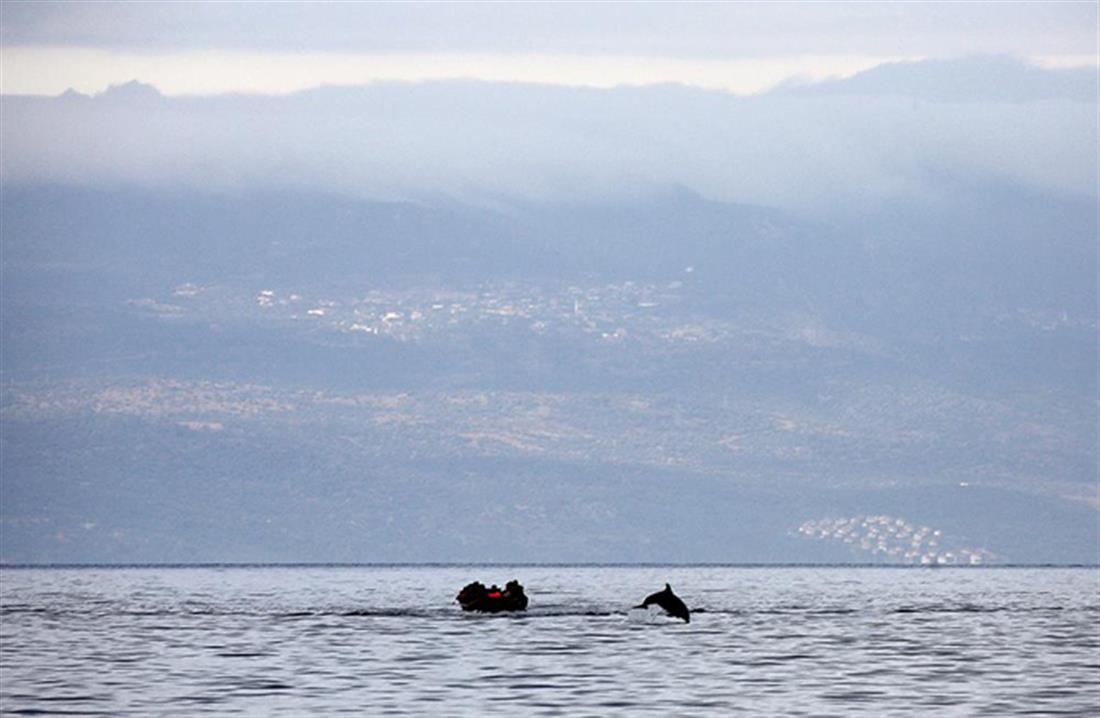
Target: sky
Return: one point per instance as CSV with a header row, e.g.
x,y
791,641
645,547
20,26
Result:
x,y
188,48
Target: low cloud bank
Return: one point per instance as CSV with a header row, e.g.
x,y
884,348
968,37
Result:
x,y
847,145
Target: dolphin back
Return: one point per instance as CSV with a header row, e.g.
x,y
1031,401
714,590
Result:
x,y
669,601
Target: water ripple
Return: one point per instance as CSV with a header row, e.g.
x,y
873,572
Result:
x,y
179,642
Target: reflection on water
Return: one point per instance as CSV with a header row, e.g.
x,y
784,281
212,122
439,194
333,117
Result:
x,y
391,641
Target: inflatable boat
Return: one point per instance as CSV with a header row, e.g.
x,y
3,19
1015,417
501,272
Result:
x,y
475,597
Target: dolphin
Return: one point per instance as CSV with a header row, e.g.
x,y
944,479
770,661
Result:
x,y
669,601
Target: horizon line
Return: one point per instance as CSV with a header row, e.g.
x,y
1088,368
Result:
x,y
49,71
530,564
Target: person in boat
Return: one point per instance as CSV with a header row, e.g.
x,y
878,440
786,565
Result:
x,y
513,592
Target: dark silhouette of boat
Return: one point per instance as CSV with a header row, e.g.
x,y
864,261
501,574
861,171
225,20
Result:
x,y
475,597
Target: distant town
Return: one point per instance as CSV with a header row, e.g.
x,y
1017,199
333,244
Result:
x,y
656,314
608,313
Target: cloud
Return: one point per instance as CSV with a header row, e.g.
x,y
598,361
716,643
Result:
x,y
206,47
472,140
700,30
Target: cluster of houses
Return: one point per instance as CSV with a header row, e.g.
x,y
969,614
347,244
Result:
x,y
609,313
894,540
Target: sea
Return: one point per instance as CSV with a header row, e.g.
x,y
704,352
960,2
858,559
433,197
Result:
x,y
392,641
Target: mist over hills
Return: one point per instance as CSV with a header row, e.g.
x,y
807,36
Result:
x,y
974,79
474,141
641,324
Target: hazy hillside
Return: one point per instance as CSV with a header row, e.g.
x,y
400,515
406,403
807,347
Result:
x,y
769,369
196,366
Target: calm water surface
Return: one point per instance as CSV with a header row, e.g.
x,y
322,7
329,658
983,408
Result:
x,y
391,641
